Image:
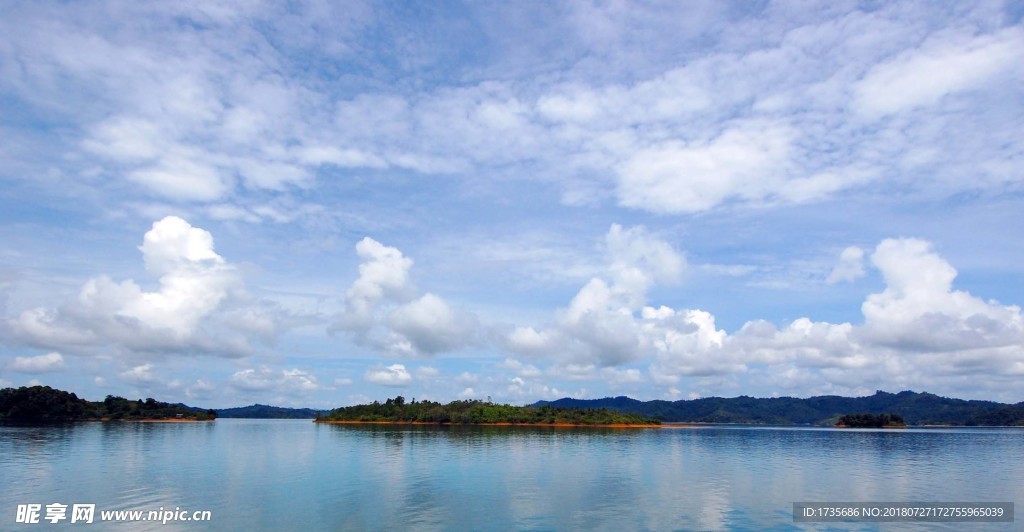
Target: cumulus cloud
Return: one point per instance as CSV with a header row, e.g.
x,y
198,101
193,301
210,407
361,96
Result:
x,y
850,266
685,342
383,277
920,311
637,260
919,331
48,363
200,305
531,343
599,326
383,312
431,326
394,375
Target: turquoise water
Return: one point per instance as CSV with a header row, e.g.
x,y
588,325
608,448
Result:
x,y
297,475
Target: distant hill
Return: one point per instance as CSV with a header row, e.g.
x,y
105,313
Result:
x,y
269,412
915,408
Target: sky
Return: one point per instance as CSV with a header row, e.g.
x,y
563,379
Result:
x,y
318,204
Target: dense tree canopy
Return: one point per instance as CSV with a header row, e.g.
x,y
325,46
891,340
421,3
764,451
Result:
x,y
479,412
870,421
915,408
42,403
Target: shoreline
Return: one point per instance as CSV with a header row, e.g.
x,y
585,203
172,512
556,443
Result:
x,y
503,424
147,420
882,427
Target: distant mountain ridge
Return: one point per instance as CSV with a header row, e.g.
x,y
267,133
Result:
x,y
269,412
916,408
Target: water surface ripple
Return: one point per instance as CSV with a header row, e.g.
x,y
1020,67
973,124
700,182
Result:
x,y
295,475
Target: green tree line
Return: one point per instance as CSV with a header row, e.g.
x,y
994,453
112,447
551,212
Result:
x,y
43,403
916,408
871,420
397,410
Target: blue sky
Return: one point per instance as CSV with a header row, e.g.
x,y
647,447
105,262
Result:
x,y
318,204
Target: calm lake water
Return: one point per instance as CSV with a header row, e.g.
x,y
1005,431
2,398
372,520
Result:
x,y
297,475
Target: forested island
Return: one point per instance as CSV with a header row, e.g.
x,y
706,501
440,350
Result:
x,y
915,409
397,410
871,421
42,403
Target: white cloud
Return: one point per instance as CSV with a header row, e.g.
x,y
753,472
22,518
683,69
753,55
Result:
x,y
141,375
253,379
573,372
200,305
186,114
182,179
598,326
431,326
226,111
467,378
394,375
531,343
383,276
617,376
639,260
919,331
528,371
943,65
468,393
206,109
671,95
263,379
427,372
685,342
381,309
746,161
200,389
920,311
850,266
48,363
